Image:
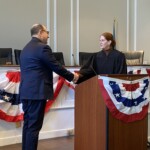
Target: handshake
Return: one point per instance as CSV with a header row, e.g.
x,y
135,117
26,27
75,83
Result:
x,y
76,77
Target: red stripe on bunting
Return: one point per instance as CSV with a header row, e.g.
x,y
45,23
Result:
x,y
9,118
60,83
69,85
117,114
138,71
131,87
13,76
148,71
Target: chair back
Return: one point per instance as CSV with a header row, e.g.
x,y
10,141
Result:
x,y
6,56
17,53
83,57
59,57
134,57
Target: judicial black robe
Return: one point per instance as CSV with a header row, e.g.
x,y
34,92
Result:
x,y
101,63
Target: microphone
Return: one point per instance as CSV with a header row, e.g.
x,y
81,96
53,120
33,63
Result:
x,y
74,61
93,70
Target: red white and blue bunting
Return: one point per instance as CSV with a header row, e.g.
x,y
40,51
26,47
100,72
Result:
x,y
139,71
126,100
10,104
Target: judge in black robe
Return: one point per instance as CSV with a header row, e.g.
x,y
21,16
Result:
x,y
106,61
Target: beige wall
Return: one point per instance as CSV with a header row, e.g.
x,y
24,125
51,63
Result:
x,y
143,27
97,17
18,16
16,19
77,29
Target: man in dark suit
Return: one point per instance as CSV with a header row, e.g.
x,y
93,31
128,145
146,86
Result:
x,y
37,64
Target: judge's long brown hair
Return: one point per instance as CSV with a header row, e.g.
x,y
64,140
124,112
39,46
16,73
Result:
x,y
109,37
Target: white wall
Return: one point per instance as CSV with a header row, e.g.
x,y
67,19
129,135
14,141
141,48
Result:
x,y
57,123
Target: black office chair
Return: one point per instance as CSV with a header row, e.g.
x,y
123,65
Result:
x,y
6,56
17,53
59,57
84,56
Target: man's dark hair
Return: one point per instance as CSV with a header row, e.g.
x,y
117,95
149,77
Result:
x,y
36,28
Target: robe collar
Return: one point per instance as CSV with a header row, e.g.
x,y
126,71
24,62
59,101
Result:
x,y
107,52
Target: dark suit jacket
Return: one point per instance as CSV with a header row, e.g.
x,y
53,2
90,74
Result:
x,y
37,65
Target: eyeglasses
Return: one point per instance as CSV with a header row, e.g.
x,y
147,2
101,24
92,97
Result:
x,y
46,31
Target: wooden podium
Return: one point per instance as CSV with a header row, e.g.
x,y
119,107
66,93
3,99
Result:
x,y
97,129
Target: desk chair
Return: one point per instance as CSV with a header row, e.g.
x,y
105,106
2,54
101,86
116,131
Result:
x,y
83,57
134,57
59,57
6,56
17,53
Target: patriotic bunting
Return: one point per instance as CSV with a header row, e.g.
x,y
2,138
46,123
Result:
x,y
10,104
140,71
126,100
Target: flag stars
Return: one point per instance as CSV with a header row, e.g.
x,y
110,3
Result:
x,y
111,83
144,98
135,103
6,97
145,87
117,95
